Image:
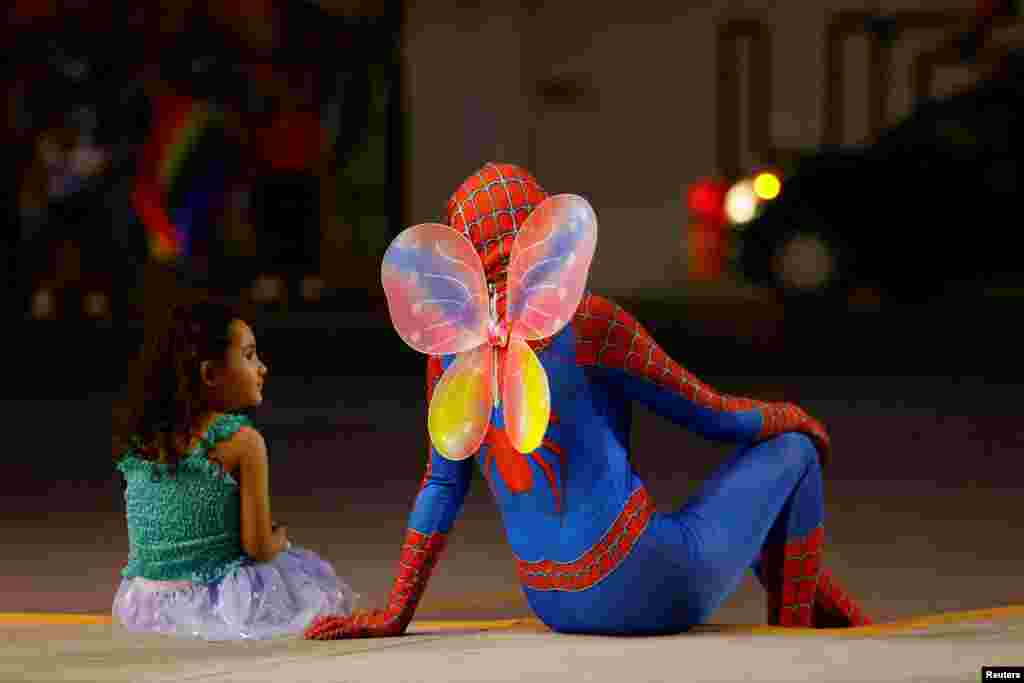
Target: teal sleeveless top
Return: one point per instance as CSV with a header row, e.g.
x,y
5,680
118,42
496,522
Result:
x,y
185,525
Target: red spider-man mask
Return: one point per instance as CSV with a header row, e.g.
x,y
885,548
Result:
x,y
489,208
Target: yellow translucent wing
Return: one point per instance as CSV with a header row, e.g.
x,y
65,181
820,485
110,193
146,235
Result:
x,y
526,397
460,409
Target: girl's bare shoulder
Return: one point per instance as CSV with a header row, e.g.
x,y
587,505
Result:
x,y
245,446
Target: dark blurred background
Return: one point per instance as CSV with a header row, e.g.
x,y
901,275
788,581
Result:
x,y
269,151
817,203
162,150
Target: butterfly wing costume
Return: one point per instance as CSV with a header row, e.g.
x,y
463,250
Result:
x,y
532,378
441,303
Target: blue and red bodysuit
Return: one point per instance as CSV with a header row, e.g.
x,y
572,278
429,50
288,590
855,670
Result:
x,y
594,556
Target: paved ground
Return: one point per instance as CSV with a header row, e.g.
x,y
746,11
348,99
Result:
x,y
925,517
520,651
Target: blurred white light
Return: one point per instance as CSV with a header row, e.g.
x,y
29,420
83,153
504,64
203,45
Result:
x,y
741,202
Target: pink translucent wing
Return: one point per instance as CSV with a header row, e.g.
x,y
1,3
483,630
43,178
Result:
x,y
460,408
436,291
525,396
549,264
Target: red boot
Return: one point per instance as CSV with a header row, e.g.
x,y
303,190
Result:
x,y
801,592
790,577
834,607
419,557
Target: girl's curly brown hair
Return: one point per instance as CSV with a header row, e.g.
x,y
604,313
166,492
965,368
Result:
x,y
164,399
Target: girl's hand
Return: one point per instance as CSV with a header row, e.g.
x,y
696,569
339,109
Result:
x,y
280,538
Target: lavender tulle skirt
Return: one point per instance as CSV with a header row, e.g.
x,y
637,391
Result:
x,y
253,602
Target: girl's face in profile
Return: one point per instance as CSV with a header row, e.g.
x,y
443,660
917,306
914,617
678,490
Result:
x,y
237,382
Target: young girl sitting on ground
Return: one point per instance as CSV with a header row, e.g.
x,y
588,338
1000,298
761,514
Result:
x,y
205,559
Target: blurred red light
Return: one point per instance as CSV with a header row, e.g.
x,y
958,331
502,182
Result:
x,y
706,199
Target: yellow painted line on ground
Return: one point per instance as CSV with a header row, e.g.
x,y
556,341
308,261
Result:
x,y
48,618
888,628
529,624
993,614
990,614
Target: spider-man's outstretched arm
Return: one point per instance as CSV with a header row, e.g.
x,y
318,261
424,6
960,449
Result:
x,y
620,353
440,498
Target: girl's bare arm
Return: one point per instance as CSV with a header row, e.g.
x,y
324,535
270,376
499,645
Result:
x,y
260,539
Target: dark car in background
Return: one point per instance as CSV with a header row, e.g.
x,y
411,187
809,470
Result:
x,y
931,208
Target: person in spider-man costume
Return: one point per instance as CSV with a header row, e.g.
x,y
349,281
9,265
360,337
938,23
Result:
x,y
594,556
